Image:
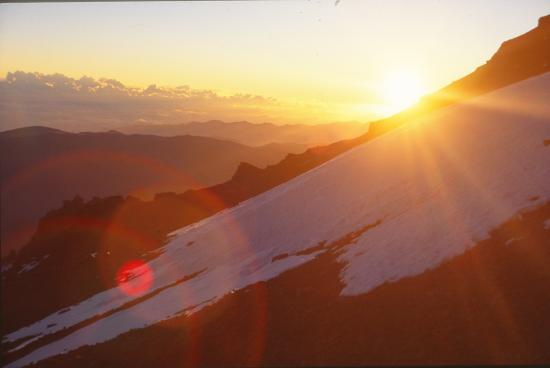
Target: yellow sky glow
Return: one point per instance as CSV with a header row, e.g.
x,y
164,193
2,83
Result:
x,y
357,60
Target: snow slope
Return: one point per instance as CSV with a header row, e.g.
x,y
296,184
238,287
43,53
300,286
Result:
x,y
437,186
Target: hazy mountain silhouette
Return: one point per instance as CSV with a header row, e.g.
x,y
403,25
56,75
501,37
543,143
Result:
x,y
256,134
42,166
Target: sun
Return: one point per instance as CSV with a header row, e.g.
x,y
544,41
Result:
x,y
401,89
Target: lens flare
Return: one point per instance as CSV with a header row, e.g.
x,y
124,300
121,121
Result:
x,y
134,278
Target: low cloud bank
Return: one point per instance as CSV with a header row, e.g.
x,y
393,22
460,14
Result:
x,y
87,104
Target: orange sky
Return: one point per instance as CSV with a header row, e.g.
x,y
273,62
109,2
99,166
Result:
x,y
320,60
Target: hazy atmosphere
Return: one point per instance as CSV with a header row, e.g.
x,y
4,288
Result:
x,y
268,61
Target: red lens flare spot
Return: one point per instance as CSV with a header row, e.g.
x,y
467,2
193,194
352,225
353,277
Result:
x,y
134,278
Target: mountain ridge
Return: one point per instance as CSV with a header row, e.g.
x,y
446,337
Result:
x,y
256,134
108,163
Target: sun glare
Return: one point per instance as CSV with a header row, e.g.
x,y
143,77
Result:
x,y
401,89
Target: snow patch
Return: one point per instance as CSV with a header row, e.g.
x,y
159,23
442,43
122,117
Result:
x,y
510,241
6,267
28,266
32,264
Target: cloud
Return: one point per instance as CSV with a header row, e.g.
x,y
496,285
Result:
x,y
87,104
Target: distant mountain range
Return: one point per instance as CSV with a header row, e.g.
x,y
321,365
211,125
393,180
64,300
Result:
x,y
256,134
41,167
425,243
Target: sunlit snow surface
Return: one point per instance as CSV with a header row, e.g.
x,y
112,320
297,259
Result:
x,y
439,185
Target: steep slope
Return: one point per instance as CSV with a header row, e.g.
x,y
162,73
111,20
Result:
x,y
41,167
392,208
70,236
483,307
523,57
515,60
